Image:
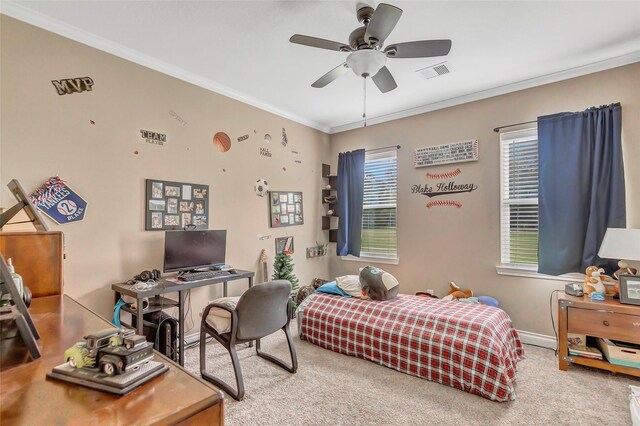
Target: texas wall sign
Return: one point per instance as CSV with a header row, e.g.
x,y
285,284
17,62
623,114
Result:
x,y
61,203
443,188
67,86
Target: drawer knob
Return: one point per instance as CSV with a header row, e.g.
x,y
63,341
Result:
x,y
606,323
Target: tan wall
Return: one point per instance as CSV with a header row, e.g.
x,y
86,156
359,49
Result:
x,y
44,134
439,245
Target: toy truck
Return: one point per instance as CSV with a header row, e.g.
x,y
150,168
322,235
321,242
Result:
x,y
112,351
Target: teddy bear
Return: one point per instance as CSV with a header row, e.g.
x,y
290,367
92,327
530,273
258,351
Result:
x,y
593,280
456,292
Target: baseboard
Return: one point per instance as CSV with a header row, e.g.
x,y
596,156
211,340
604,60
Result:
x,y
537,339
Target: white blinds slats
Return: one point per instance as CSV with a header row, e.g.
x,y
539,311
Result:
x,y
379,215
519,197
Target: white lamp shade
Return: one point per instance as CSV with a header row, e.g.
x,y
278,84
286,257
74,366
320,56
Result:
x,y
620,243
366,62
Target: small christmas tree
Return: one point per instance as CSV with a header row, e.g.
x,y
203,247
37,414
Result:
x,y
283,270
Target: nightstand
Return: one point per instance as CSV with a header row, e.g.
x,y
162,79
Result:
x,y
609,319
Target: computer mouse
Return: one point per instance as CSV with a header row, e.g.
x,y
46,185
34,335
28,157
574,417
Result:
x,y
233,271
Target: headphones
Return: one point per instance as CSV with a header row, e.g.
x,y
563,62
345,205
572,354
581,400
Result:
x,y
145,276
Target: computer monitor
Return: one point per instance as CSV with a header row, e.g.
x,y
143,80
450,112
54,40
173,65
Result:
x,y
188,250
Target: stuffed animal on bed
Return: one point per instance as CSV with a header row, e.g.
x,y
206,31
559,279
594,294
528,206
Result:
x,y
378,284
456,292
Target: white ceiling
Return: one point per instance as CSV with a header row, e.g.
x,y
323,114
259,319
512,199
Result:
x,y
241,48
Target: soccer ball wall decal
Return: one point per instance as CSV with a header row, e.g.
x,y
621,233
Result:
x,y
261,187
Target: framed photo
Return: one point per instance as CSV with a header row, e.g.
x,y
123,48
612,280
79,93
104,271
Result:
x,y
284,244
171,205
630,289
285,209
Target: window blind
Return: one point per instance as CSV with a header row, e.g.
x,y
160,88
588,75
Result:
x,y
519,197
379,213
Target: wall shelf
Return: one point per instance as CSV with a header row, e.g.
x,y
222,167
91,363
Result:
x,y
327,223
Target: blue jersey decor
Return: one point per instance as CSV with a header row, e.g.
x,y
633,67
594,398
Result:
x,y
55,199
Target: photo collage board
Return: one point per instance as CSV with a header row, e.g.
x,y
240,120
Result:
x,y
285,208
176,205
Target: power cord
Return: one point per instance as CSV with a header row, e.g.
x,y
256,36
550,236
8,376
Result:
x,y
553,324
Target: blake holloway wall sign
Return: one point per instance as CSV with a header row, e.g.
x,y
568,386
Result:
x,y
67,86
447,188
153,137
457,152
55,199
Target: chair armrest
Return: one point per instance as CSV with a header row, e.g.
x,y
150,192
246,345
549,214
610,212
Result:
x,y
210,306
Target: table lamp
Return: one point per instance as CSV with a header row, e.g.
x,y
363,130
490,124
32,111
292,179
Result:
x,y
622,244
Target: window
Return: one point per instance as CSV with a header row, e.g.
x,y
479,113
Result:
x,y
519,198
379,213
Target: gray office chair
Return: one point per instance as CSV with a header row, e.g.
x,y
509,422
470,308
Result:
x,y
261,311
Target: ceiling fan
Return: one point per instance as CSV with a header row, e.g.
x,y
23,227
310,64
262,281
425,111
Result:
x,y
367,57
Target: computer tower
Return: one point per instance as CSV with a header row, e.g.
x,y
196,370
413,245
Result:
x,y
162,330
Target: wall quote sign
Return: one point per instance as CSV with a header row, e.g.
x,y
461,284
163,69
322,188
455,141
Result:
x,y
153,137
67,86
265,152
61,203
456,152
177,117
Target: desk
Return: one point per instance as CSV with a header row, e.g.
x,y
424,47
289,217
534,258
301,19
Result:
x,y
158,303
28,397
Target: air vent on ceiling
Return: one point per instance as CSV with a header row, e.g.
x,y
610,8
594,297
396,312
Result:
x,y
436,70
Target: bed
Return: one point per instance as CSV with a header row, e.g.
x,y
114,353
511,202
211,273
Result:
x,y
467,346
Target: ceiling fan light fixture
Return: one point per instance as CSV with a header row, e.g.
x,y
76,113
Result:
x,y
366,62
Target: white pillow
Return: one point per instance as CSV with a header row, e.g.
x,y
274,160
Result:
x,y
219,318
350,284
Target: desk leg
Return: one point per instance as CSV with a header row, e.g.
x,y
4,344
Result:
x,y
139,317
224,289
181,328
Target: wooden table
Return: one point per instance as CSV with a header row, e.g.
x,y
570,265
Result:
x,y
158,303
608,319
28,397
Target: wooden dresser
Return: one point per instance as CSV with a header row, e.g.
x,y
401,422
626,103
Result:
x,y
609,319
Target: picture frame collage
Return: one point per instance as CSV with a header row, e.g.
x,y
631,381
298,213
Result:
x,y
176,205
285,208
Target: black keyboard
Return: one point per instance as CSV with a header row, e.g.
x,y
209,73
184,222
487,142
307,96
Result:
x,y
204,275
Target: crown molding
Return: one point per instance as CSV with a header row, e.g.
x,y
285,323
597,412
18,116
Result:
x,y
37,19
22,13
606,64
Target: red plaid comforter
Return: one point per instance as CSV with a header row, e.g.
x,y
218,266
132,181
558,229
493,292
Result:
x,y
467,346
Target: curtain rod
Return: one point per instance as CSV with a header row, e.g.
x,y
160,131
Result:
x,y
497,129
384,147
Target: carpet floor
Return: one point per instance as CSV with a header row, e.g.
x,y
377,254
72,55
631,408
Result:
x,y
335,389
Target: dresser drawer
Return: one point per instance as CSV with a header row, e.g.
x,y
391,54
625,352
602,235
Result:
x,y
611,325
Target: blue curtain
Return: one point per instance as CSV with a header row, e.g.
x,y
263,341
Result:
x,y
581,187
350,198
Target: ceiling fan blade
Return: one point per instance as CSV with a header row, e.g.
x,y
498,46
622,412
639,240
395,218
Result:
x,y
382,22
319,42
384,80
331,75
418,49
